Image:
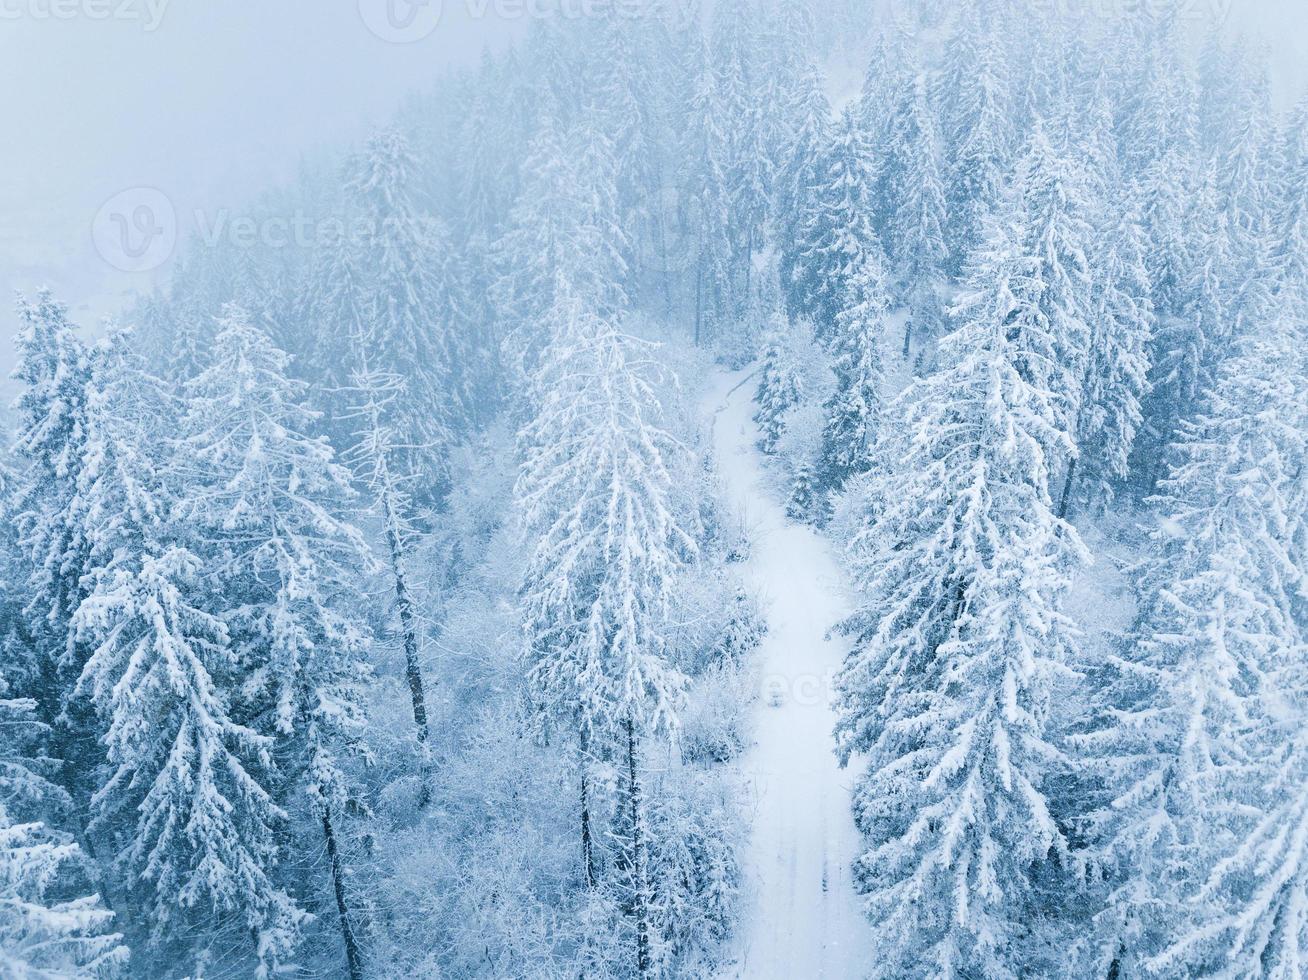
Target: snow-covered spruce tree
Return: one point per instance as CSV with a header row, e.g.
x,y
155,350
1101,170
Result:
x,y
186,802
1156,118
1058,210
1166,190
553,230
976,127
632,119
336,307
1246,195
1171,741
748,103
1188,346
600,215
780,386
44,930
1116,371
1290,220
54,371
594,492
853,411
412,305
183,807
837,232
919,220
1248,918
808,502
265,506
959,646
801,176
705,186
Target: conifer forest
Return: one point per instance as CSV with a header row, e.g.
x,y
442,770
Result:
x,y
745,489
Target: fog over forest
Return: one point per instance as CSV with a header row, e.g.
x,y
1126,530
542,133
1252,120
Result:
x,y
654,488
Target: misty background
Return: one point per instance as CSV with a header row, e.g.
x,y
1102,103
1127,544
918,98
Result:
x,y
214,103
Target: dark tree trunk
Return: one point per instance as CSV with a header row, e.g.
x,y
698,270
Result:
x,y
640,888
908,337
587,845
353,958
412,669
1068,483
409,627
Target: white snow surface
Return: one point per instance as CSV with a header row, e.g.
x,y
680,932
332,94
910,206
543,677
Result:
x,y
802,919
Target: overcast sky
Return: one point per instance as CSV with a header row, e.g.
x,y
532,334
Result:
x,y
212,100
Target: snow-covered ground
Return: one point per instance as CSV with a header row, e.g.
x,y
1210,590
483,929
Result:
x,y
803,918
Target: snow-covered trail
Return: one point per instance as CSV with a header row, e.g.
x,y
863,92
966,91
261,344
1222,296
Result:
x,y
803,918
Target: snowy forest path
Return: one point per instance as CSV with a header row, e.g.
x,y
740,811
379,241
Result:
x,y
802,918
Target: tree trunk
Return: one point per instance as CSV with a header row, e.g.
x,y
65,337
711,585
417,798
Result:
x,y
640,888
1067,489
587,845
408,625
908,337
352,956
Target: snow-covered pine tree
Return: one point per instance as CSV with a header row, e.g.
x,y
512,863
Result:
x,y
705,184
600,215
632,119
747,97
1117,369
549,236
187,798
854,409
1053,290
877,111
960,644
837,232
1166,189
41,934
335,305
1187,347
183,805
266,507
1290,221
800,178
919,219
808,502
1156,118
595,495
413,306
780,386
54,370
976,126
1170,740
1246,198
